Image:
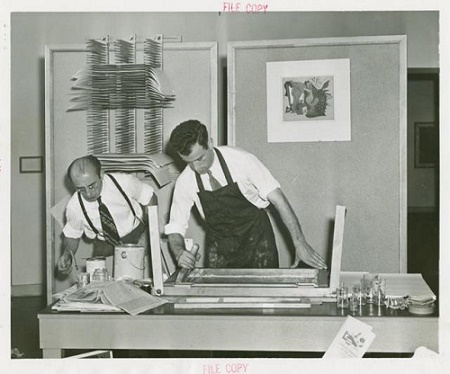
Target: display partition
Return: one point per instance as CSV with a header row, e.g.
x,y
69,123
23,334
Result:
x,y
191,72
354,154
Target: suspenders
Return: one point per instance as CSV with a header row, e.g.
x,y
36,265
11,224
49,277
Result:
x,y
120,190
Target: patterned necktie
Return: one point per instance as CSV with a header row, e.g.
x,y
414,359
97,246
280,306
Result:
x,y
215,184
109,227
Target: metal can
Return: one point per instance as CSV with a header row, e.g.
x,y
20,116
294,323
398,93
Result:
x,y
98,262
100,275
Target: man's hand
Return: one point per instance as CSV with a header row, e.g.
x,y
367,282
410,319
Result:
x,y
187,258
65,263
303,251
309,256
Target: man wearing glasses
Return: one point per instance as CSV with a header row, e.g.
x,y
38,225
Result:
x,y
105,207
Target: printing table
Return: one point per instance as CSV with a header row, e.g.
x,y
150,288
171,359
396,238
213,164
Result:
x,y
294,330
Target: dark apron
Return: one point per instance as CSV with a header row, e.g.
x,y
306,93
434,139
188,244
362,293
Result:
x,y
238,234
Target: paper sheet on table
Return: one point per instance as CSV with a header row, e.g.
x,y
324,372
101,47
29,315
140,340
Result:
x,y
413,285
58,210
352,340
397,284
130,298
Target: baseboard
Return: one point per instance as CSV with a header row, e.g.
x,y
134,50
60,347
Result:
x,y
28,290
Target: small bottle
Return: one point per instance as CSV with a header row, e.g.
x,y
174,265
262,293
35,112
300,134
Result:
x,y
342,297
354,298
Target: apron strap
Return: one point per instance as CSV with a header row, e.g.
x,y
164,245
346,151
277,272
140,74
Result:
x,y
225,170
200,185
224,166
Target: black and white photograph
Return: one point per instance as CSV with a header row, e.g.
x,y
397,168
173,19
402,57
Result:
x,y
224,188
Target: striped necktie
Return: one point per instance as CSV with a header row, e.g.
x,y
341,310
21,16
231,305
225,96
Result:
x,y
215,184
109,227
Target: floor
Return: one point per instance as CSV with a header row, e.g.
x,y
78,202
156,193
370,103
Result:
x,y
423,257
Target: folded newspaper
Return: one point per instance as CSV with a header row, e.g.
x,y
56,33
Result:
x,y
111,296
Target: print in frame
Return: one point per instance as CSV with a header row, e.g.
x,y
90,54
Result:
x,y
308,100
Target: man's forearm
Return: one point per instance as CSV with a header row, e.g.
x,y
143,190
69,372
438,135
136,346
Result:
x,y
70,244
287,215
176,245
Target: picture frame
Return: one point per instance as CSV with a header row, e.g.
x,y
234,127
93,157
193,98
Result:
x,y
308,100
425,144
31,164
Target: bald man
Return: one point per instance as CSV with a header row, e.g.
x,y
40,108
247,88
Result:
x,y
125,197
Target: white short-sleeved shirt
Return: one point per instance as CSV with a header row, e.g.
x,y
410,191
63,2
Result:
x,y
254,181
138,193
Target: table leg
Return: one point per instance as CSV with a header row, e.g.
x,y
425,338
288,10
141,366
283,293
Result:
x,y
52,353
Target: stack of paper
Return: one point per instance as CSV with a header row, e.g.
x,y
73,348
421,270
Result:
x,y
122,86
397,284
157,165
412,285
84,307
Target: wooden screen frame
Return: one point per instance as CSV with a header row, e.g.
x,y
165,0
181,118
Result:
x,y
345,42
173,288
50,51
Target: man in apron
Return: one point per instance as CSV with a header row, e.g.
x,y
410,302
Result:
x,y
107,208
231,189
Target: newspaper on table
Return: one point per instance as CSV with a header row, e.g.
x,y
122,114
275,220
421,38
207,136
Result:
x,y
111,296
130,298
352,340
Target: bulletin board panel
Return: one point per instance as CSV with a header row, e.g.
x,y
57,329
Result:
x,y
367,174
191,69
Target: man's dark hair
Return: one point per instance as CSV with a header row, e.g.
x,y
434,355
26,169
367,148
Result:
x,y
188,133
80,164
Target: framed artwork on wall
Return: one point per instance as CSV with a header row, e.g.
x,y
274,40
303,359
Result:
x,y
425,145
308,100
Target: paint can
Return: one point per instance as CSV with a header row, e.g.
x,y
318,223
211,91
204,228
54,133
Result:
x,y
92,263
129,261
